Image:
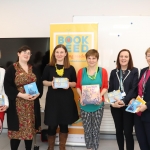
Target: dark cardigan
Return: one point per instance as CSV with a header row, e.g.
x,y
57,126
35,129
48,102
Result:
x,y
12,92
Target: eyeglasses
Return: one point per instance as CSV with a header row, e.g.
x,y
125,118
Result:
x,y
26,53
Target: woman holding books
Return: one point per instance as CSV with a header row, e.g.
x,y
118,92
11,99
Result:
x,y
91,111
23,115
125,79
3,99
142,118
60,107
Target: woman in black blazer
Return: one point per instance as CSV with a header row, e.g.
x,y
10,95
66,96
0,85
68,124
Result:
x,y
124,78
142,118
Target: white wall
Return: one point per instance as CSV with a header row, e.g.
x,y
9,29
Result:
x,y
31,18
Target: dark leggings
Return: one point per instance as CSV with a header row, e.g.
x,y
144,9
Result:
x,y
52,129
14,144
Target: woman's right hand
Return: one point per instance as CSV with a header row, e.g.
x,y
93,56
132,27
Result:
x,y
117,104
53,84
25,96
81,102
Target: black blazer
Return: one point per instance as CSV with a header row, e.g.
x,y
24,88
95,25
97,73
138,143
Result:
x,y
146,114
130,83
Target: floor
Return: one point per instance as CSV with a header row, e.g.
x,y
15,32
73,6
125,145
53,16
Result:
x,y
104,144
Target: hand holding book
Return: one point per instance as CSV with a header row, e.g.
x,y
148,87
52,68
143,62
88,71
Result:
x,y
3,108
137,106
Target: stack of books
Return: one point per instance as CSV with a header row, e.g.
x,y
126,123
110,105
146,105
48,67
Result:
x,y
133,107
112,96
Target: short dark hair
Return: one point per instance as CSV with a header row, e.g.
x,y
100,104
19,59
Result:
x,y
66,59
130,63
23,48
92,52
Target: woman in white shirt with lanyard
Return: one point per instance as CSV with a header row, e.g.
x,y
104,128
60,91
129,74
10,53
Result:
x,y
142,118
3,104
124,78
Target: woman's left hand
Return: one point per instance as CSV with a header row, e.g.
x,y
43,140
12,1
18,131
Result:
x,y
3,108
142,108
68,85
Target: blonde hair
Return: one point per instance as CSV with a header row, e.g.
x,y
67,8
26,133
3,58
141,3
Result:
x,y
147,51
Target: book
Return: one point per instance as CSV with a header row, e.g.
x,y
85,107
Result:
x,y
31,89
2,102
114,94
133,107
61,82
90,94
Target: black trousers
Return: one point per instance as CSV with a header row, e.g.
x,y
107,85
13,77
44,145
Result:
x,y
14,144
124,122
52,129
142,130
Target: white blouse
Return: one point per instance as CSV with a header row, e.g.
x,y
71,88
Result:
x,y
2,91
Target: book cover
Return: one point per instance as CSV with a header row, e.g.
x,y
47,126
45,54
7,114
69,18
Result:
x,y
61,83
114,94
133,107
31,88
2,102
91,94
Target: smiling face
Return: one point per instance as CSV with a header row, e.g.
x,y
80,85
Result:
x,y
92,61
60,54
24,55
124,59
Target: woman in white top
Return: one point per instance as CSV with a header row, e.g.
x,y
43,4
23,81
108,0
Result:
x,y
4,106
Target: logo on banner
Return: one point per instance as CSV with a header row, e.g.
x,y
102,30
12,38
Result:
x,y
77,43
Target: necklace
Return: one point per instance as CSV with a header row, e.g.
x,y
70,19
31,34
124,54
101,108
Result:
x,y
60,72
123,72
93,77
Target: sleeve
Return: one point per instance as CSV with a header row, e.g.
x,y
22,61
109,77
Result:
x,y
104,79
133,92
79,78
73,75
45,75
111,87
9,84
38,82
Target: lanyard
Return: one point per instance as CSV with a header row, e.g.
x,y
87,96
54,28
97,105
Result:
x,y
144,82
121,81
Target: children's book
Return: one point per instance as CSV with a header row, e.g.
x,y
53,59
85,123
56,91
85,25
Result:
x,y
112,96
31,89
61,83
90,94
2,102
133,107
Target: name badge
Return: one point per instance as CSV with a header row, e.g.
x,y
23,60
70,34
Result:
x,y
123,94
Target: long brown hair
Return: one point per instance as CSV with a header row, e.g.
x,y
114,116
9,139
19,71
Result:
x,y
66,59
130,63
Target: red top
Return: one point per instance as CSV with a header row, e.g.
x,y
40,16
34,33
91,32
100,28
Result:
x,y
104,80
